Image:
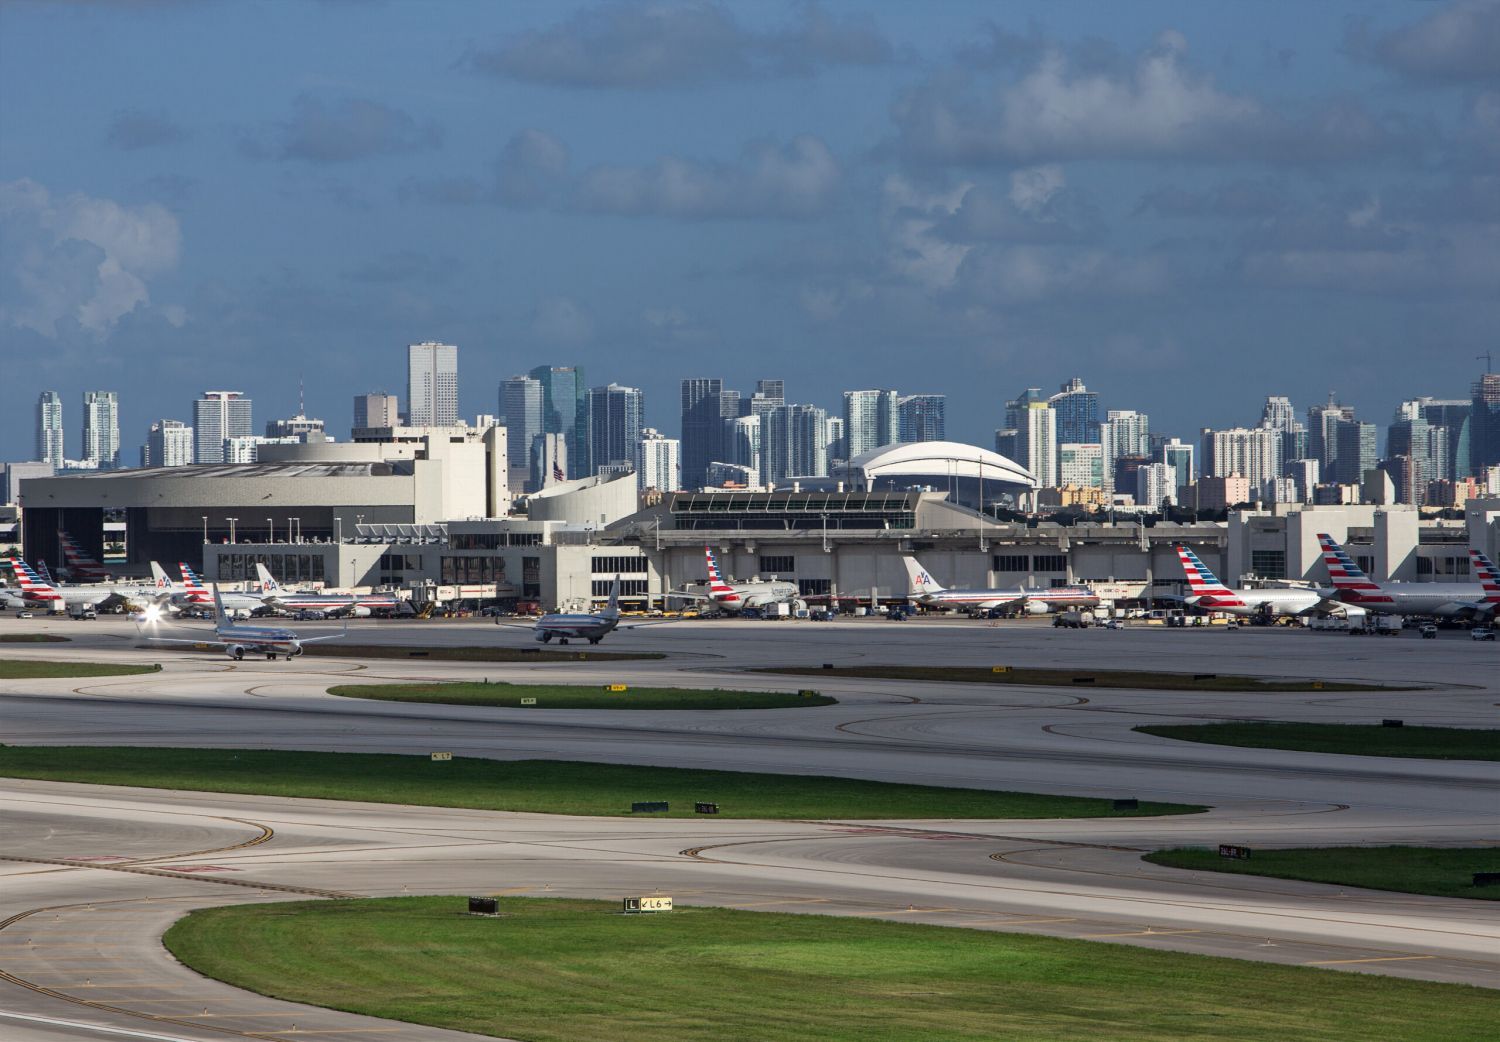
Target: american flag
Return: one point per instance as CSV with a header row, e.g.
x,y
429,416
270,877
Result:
x,y
557,474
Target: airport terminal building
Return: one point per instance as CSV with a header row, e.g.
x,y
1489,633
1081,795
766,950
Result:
x,y
429,510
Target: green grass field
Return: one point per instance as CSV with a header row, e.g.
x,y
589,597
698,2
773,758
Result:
x,y
1430,743
33,669
1439,871
575,696
578,971
339,649
1143,679
540,786
33,638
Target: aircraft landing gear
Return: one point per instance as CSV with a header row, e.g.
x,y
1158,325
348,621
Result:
x,y
562,640
593,640
270,656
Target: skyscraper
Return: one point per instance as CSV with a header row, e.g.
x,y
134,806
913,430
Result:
x,y
922,417
1124,432
1484,423
795,442
49,428
101,429
1355,451
1322,440
169,444
656,461
741,442
521,407
216,416
1453,415
1253,453
1077,411
1037,442
615,415
1179,456
700,427
431,384
565,411
869,420
1080,464
376,409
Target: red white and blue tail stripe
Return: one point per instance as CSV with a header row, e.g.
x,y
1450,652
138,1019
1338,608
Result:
x,y
82,567
1349,579
193,586
1489,579
718,589
33,587
1203,584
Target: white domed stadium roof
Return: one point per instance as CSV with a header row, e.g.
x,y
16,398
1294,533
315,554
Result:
x,y
943,460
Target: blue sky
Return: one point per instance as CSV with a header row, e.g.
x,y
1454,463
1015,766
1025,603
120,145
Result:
x,y
1190,205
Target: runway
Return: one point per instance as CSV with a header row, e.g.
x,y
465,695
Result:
x,y
1079,879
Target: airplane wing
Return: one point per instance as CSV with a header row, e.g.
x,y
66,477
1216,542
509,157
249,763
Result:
x,y
331,636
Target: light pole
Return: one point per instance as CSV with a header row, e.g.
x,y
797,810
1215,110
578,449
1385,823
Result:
x,y
294,536
270,530
205,528
338,529
824,516
231,521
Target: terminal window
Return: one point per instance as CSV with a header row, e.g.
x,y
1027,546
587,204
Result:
x,y
628,587
777,564
1049,562
814,587
1010,563
473,570
1268,564
619,565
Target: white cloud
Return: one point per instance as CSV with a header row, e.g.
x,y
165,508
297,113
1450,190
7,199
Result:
x,y
1458,41
78,258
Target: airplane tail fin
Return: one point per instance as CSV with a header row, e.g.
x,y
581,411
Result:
x,y
190,581
159,578
42,573
220,616
612,609
922,581
267,583
32,584
716,583
1489,579
1200,578
1342,568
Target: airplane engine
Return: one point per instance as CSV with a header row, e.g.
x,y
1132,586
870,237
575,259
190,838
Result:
x,y
1036,608
235,652
543,636
359,611
295,650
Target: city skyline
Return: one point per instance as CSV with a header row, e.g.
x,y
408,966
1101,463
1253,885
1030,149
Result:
x,y
849,195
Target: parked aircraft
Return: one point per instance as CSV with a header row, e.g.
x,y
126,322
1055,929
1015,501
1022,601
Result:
x,y
1206,591
735,597
1446,600
81,568
1032,600
38,592
192,594
279,596
238,639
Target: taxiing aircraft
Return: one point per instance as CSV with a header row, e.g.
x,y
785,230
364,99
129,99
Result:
x,y
590,626
279,596
237,639
1207,592
1445,600
735,597
1033,600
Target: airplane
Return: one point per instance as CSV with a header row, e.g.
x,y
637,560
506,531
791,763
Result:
x,y
1206,591
236,640
80,566
1033,601
736,597
38,592
1446,600
591,626
191,593
278,596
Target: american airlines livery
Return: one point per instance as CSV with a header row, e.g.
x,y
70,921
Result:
x,y
1207,592
737,596
590,626
36,591
279,596
81,567
236,640
191,593
1447,600
1032,600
